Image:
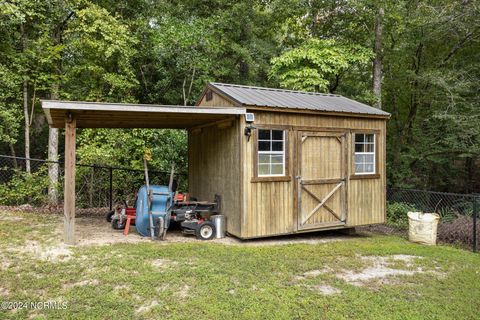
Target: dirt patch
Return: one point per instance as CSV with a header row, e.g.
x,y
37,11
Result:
x,y
183,292
162,288
308,238
4,292
95,230
325,289
122,287
88,282
381,268
312,274
147,307
54,253
383,229
163,263
9,218
5,264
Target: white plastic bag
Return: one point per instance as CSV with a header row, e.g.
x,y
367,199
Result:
x,y
422,227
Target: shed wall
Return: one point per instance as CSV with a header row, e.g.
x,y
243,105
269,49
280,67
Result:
x,y
214,168
216,101
270,206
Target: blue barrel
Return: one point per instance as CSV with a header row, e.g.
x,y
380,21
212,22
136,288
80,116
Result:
x,y
160,204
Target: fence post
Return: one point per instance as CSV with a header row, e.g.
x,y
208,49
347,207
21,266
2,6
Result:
x,y
110,194
475,213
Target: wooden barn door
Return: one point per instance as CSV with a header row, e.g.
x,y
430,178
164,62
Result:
x,y
321,180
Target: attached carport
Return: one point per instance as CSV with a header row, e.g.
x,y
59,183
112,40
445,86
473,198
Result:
x,y
72,115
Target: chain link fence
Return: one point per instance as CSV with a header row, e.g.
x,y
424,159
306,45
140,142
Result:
x,y
458,214
100,187
97,188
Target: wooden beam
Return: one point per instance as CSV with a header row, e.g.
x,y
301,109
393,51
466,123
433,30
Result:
x,y
322,203
69,190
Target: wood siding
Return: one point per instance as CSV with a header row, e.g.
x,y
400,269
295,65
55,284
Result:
x,y
216,101
271,207
214,168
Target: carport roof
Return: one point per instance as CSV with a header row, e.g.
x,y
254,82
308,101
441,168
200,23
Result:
x,y
121,115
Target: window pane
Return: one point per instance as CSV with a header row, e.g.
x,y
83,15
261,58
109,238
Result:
x,y
359,158
277,159
359,137
271,148
263,158
264,134
263,169
364,153
264,146
359,168
358,147
369,167
277,168
277,134
277,146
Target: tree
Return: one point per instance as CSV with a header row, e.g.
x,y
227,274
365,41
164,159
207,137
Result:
x,y
377,61
318,65
98,58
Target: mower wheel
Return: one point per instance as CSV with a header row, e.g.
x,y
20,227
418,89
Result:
x,y
109,215
117,225
206,231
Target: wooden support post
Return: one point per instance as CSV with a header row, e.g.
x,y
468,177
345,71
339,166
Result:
x,y
69,190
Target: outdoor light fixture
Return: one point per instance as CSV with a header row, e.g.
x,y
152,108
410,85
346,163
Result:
x,y
249,118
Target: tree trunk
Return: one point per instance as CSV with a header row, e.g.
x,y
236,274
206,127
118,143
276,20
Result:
x,y
377,61
53,166
25,106
53,156
14,159
27,126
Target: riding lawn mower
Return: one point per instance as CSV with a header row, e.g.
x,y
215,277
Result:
x,y
157,206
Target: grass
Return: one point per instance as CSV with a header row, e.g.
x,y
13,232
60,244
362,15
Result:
x,y
212,281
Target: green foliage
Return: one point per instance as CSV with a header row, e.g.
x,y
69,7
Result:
x,y
126,148
317,65
24,188
99,49
397,213
9,115
164,52
185,53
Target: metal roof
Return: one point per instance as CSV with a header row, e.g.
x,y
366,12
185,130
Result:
x,y
279,98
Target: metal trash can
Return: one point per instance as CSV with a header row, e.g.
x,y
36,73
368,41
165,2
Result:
x,y
422,227
219,222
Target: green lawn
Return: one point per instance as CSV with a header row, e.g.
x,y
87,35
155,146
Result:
x,y
213,281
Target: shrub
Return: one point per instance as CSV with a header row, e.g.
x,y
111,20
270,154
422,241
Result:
x,y
397,214
25,187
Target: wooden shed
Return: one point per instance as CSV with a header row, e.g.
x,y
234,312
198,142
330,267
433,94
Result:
x,y
306,162
282,161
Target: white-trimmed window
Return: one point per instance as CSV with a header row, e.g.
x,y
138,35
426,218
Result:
x,y
271,153
365,153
